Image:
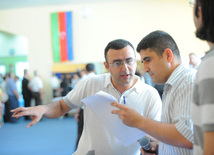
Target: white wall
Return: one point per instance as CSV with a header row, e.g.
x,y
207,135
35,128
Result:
x,y
130,20
13,45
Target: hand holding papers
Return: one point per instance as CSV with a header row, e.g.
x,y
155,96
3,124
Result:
x,y
100,105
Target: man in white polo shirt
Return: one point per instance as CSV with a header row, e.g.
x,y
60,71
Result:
x,y
121,81
36,86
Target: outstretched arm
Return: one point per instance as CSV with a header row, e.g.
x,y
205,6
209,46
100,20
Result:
x,y
52,110
167,133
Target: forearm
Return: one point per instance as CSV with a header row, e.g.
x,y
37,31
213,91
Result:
x,y
16,94
208,143
56,109
166,133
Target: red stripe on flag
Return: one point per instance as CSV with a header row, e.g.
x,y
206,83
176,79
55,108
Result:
x,y
63,38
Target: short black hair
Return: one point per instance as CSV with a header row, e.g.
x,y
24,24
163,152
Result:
x,y
90,67
206,31
117,44
25,71
158,41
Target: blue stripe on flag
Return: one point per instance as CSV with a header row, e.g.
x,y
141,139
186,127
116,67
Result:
x,y
69,35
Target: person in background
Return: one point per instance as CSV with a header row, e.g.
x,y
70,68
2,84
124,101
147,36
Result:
x,y
4,96
1,108
140,75
18,85
79,114
161,59
82,73
90,70
1,79
13,97
36,87
148,79
19,90
3,88
75,79
64,85
120,82
68,78
194,62
55,85
203,105
26,92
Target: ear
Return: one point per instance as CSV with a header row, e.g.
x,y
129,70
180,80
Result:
x,y
199,14
106,66
168,55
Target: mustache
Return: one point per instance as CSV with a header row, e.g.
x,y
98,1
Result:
x,y
126,73
150,73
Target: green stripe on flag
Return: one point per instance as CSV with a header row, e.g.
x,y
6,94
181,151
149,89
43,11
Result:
x,y
55,36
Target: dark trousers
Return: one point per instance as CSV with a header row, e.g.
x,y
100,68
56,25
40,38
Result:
x,y
27,100
80,125
36,96
55,93
12,103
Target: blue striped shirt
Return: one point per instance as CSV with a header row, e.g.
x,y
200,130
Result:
x,y
177,99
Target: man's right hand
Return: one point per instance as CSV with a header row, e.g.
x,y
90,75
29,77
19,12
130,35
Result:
x,y
154,147
35,112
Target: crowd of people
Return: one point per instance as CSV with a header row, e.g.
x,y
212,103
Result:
x,y
62,83
13,89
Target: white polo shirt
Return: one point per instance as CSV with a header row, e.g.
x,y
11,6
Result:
x,y
36,84
96,139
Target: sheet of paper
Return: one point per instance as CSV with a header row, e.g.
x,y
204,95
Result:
x,y
100,105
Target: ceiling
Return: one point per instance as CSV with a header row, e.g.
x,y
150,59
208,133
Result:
x,y
11,4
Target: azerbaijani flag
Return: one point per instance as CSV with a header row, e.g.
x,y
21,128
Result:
x,y
61,26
